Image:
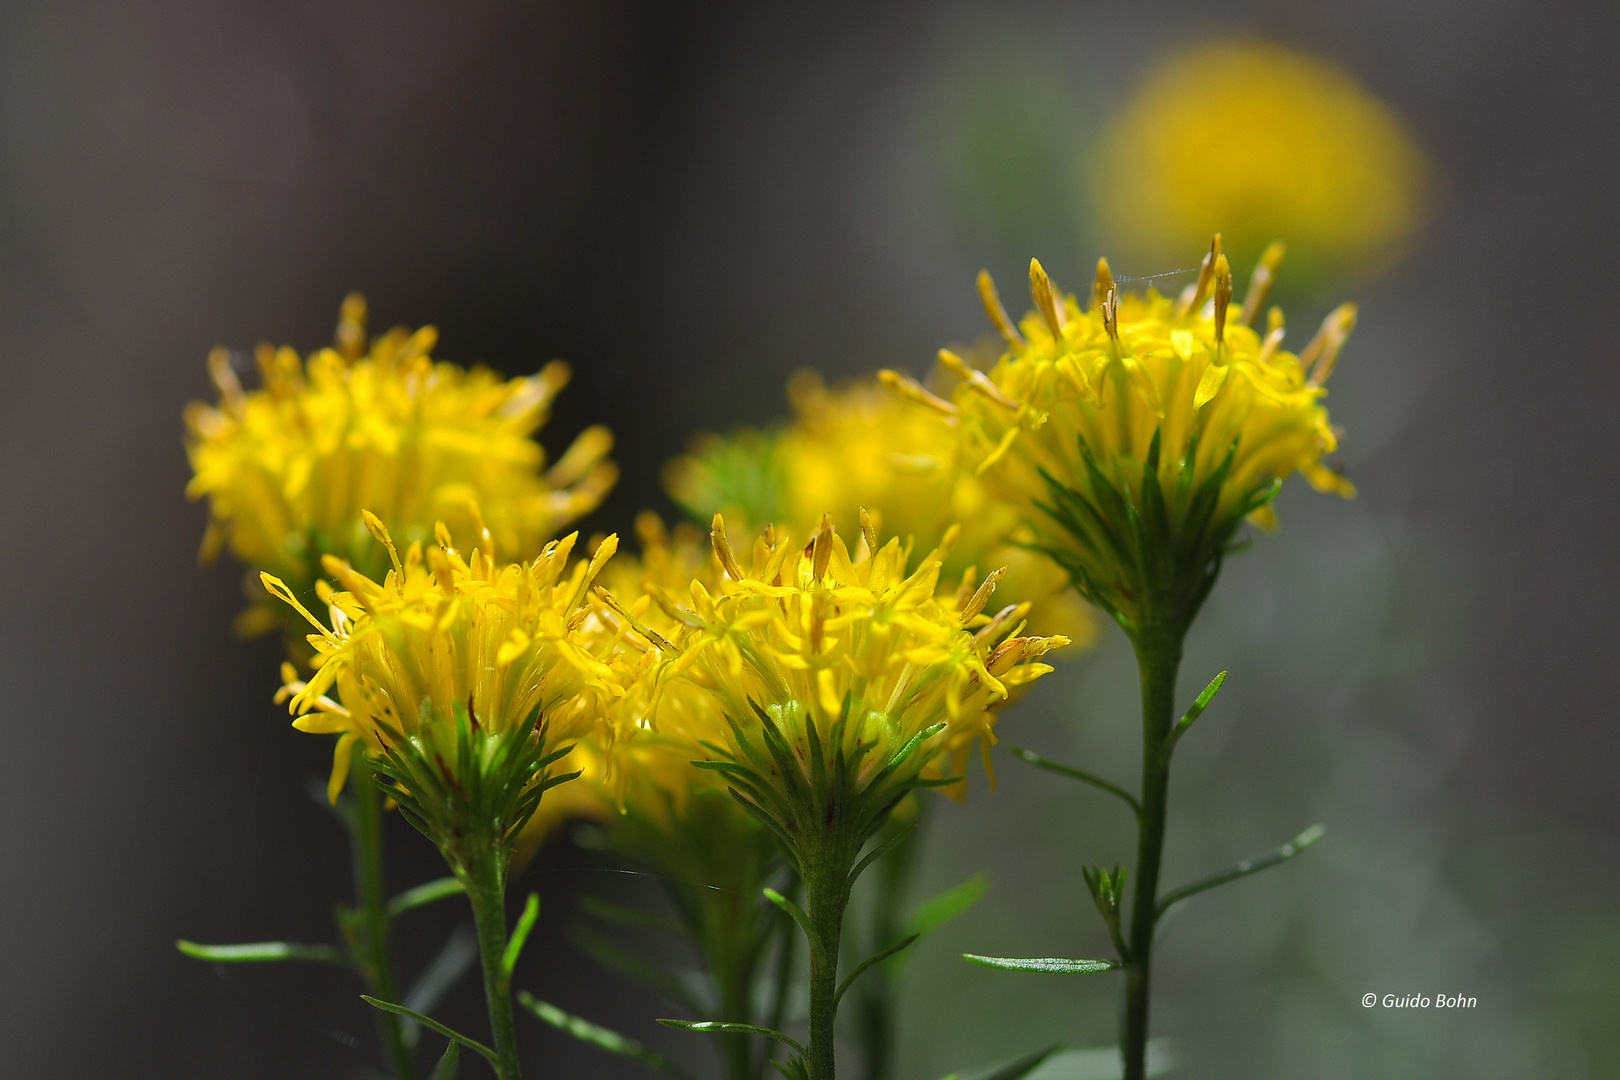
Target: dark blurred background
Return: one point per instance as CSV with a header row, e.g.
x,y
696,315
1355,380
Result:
x,y
689,202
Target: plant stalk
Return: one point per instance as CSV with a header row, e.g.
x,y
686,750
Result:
x,y
826,884
1158,658
369,934
485,879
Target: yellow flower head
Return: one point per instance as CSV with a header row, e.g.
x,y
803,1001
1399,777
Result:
x,y
861,447
288,467
451,662
628,767
1135,433
1261,141
859,680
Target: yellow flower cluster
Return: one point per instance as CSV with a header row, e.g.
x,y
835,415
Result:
x,y
856,657
445,640
860,447
288,468
628,767
1261,141
1178,407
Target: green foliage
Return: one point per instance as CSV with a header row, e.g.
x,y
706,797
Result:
x,y
1078,774
425,894
1147,556
876,958
600,1037
431,1024
484,797
720,1027
1108,892
449,1064
938,910
1243,869
259,952
520,934
739,474
1049,965
1017,1068
1195,711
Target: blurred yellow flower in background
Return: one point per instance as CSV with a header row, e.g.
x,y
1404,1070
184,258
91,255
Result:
x,y
860,446
1259,141
287,468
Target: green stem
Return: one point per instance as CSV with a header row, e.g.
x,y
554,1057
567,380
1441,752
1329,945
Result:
x,y
369,937
485,879
826,885
1158,657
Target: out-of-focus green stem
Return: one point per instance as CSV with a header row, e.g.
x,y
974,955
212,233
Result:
x,y
368,935
878,988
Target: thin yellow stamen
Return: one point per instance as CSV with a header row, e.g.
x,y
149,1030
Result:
x,y
997,313
1223,296
911,389
1193,298
1103,287
975,380
1260,285
1322,353
1040,289
722,548
375,526
869,531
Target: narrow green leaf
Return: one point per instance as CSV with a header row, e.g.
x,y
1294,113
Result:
x,y
448,1064
431,1024
1241,870
1051,965
433,891
262,952
520,934
793,1068
1078,774
718,1027
881,850
627,916
610,955
1019,1068
600,1037
1197,709
453,960
935,912
792,909
876,958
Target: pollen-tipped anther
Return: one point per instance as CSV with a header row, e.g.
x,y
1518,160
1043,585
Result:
x,y
1323,351
869,530
975,380
1045,297
1193,297
912,390
722,548
996,312
350,338
1223,296
1103,285
821,545
1260,284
